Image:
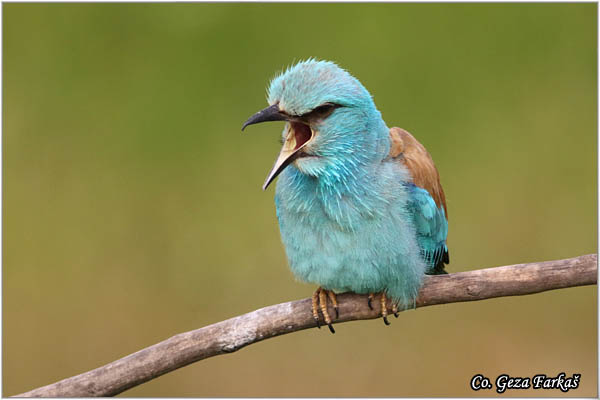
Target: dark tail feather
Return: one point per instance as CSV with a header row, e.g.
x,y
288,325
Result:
x,y
439,267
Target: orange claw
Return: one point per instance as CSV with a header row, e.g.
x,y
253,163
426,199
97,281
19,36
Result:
x,y
333,300
319,301
384,312
315,307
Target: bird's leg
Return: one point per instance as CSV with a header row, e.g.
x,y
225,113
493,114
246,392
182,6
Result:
x,y
370,300
384,312
383,302
319,301
333,300
323,305
315,307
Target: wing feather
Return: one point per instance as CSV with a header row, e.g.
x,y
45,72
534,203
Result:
x,y
419,163
427,202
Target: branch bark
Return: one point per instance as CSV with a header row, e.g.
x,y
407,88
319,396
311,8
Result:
x,y
233,334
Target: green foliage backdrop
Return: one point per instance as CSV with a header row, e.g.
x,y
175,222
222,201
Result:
x,y
133,209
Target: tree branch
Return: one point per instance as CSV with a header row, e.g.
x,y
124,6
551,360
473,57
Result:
x,y
233,334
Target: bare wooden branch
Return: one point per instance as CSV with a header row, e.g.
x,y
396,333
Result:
x,y
233,334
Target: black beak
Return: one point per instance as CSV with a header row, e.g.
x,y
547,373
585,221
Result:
x,y
270,113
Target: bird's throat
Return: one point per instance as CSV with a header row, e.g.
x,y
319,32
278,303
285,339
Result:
x,y
300,133
298,136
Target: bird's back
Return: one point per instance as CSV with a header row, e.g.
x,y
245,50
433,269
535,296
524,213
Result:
x,y
428,201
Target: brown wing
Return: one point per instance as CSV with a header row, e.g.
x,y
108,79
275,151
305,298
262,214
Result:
x,y
419,163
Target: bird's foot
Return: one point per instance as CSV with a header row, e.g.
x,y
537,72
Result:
x,y
384,312
383,302
319,301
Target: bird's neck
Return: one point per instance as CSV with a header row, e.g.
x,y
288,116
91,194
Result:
x,y
355,170
348,190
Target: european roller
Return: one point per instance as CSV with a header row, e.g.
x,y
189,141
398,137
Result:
x,y
360,205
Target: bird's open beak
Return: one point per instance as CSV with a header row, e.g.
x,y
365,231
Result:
x,y
297,136
270,113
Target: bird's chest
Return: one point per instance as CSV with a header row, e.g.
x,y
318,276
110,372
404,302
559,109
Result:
x,y
339,242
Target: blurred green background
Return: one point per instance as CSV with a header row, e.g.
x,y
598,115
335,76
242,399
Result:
x,y
133,209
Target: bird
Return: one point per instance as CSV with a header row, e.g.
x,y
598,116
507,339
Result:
x,y
360,206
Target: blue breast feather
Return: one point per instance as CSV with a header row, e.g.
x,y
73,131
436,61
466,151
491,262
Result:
x,y
362,239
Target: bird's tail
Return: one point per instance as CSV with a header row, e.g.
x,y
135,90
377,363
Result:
x,y
438,269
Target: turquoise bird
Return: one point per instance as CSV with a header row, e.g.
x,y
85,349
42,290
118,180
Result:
x,y
360,206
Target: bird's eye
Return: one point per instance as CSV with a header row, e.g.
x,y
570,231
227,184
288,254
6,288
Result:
x,y
318,113
324,108
322,111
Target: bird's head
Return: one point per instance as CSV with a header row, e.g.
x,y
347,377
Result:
x,y
332,123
